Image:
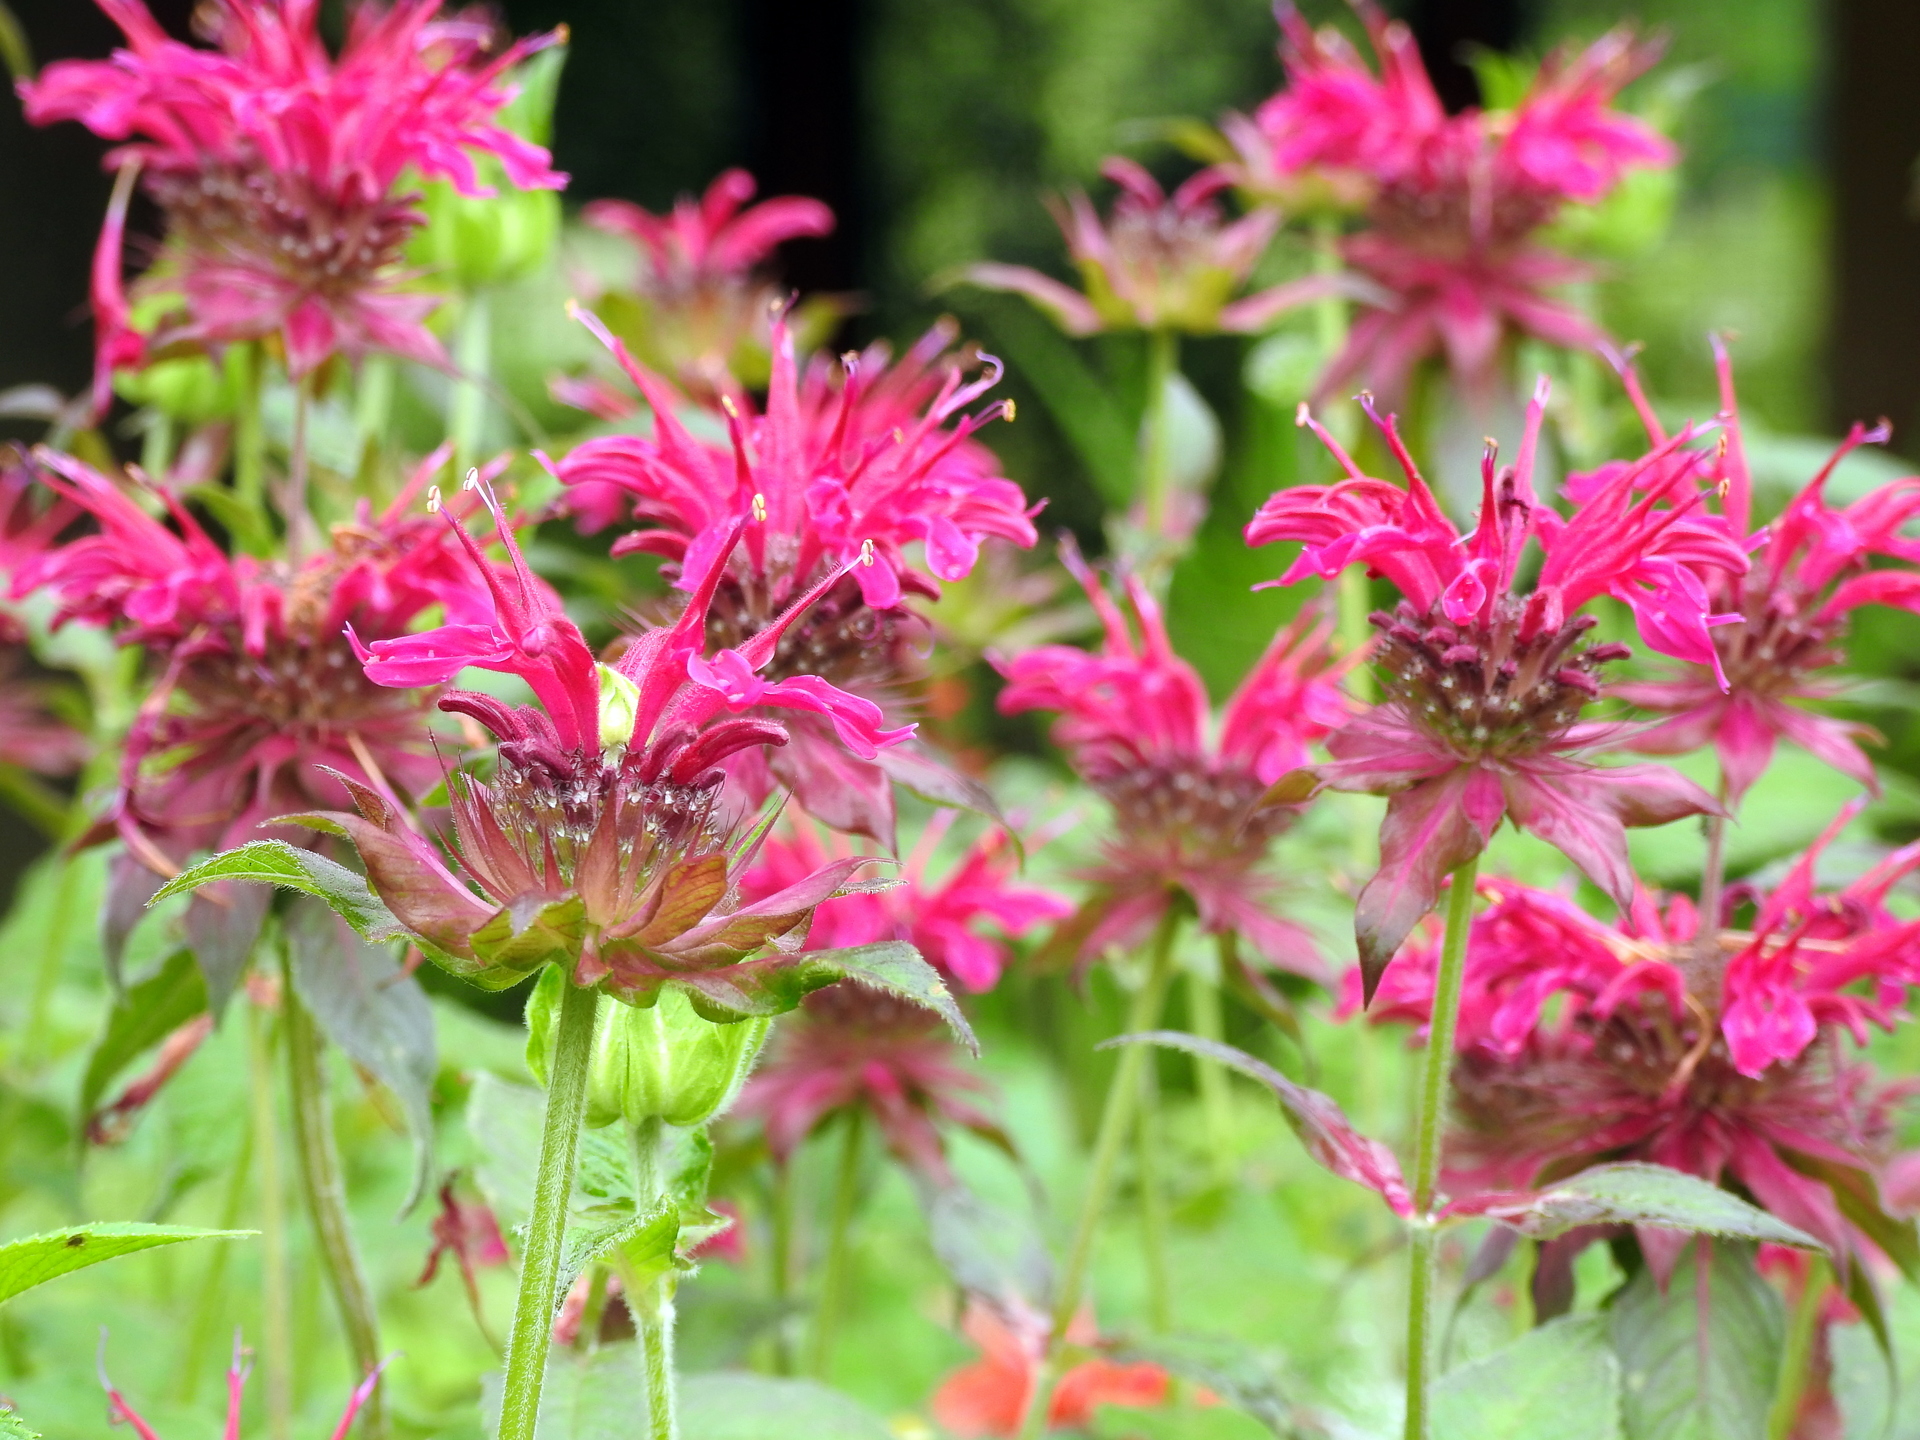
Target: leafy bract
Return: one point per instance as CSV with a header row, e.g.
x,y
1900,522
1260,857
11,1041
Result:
x,y
1632,1193
36,1259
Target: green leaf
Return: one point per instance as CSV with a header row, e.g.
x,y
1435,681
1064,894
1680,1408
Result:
x,y
1636,1194
1700,1361
1559,1382
274,862
12,1427
374,1012
736,1405
895,967
144,1015
37,1259
522,936
641,1249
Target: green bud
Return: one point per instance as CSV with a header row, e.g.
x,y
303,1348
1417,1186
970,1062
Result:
x,y
619,707
663,1062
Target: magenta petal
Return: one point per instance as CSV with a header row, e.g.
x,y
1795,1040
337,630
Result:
x,y
1744,742
1430,831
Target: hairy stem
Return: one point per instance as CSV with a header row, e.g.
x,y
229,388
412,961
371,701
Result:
x,y
1435,1074
1153,1203
1704,979
326,1196
1156,460
473,361
533,1308
833,1274
1116,1119
249,435
653,1311
1797,1363
277,1325
1210,1077
303,536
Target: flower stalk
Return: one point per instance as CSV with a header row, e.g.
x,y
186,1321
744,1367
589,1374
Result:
x,y
1435,1076
1116,1119
533,1308
653,1310
1796,1364
276,1299
1156,475
326,1194
833,1275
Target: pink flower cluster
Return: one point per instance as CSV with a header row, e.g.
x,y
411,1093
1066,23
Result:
x,y
1454,203
279,167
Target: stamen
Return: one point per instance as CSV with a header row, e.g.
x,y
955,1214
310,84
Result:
x,y
760,508
866,552
433,499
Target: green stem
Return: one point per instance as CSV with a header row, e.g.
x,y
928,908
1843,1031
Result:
x,y
1209,1076
207,1305
373,405
834,1273
302,533
780,1257
277,1301
473,361
653,1312
1116,1119
1704,981
53,957
35,801
1436,1072
1156,474
249,434
1796,1364
327,1198
1153,1202
533,1308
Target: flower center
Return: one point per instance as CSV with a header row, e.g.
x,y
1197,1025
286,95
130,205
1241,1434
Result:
x,y
266,219
1192,812
1483,689
300,687
1777,646
841,638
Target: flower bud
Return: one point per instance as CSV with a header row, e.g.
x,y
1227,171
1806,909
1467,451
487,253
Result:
x,y
619,707
663,1061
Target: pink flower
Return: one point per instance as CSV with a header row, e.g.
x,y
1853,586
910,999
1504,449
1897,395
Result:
x,y
600,843
121,1412
1483,684
943,919
698,289
279,168
857,462
1581,1041
1811,572
856,1048
1189,811
257,703
1160,263
1454,204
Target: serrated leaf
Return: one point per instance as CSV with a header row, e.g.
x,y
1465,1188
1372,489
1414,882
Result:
x,y
1559,1382
897,968
641,1249
36,1259
736,1405
145,1014
1317,1119
274,862
1633,1193
373,1011
12,1427
1699,1362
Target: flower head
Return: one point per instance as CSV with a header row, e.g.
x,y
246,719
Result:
x,y
258,703
849,463
1810,572
1581,1041
698,283
1190,816
279,167
989,1396
1454,203
944,919
1160,262
600,842
1484,685
856,1049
